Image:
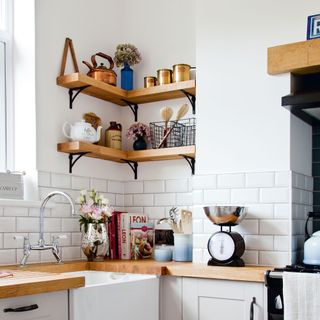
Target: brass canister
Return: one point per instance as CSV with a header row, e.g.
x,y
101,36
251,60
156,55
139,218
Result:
x,y
150,81
181,72
164,76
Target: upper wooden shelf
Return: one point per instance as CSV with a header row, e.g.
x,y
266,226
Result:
x,y
299,58
117,95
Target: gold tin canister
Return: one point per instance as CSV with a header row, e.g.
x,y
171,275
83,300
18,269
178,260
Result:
x,y
181,72
150,81
164,76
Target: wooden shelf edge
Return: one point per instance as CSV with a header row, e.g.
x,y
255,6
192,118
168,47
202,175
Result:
x,y
117,95
299,57
96,151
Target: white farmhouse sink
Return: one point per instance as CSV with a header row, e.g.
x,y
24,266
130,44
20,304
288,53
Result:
x,y
119,296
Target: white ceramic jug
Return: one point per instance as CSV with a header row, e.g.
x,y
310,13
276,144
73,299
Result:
x,y
312,250
81,131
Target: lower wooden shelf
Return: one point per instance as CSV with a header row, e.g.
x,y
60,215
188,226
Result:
x,y
79,149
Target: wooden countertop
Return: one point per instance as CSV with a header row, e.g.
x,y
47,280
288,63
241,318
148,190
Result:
x,y
47,277
27,282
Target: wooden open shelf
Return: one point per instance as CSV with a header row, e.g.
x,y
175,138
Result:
x,y
80,149
117,95
299,58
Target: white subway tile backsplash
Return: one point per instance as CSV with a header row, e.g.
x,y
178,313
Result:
x,y
7,224
153,186
274,258
216,196
80,183
248,226
13,240
64,241
309,183
28,224
70,225
61,210
8,256
128,200
15,211
282,211
258,242
1,211
197,255
164,199
133,187
204,182
236,180
198,212
200,241
184,199
259,180
209,227
60,181
178,185
143,200
282,243
99,184
197,226
283,179
33,258
1,240
71,253
76,238
251,257
116,187
44,179
52,225
134,210
119,200
274,227
197,196
260,211
274,195
154,212
244,196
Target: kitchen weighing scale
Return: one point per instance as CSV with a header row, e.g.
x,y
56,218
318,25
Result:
x,y
226,247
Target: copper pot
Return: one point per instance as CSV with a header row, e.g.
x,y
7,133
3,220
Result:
x,y
102,73
181,72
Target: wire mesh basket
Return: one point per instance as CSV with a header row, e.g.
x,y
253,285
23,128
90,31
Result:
x,y
183,133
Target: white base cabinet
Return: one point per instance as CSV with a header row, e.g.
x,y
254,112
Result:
x,y
51,306
206,299
222,300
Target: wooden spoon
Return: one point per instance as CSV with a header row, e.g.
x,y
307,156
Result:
x,y
180,114
166,114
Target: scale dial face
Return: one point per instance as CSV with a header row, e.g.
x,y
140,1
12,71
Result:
x,y
221,246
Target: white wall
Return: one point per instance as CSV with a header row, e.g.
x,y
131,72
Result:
x,y
241,124
164,37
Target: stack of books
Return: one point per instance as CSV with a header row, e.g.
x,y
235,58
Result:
x,y
131,236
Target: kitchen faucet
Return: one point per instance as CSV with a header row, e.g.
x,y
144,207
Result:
x,y
27,247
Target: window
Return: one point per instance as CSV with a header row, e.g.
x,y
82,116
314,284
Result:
x,y
6,86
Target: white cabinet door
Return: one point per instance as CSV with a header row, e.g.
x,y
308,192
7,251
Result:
x,y
221,300
51,306
170,298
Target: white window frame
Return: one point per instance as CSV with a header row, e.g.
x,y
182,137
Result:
x,y
7,115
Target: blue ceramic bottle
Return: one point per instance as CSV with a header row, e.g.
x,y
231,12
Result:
x,y
126,77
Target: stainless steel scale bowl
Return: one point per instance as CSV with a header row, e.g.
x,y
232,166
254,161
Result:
x,y
225,215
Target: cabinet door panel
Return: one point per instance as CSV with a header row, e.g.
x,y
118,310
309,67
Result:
x,y
51,306
221,309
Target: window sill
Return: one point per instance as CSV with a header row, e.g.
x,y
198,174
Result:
x,y
23,203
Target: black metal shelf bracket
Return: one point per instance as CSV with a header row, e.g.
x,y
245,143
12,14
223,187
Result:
x,y
134,108
73,162
192,99
72,96
134,166
191,161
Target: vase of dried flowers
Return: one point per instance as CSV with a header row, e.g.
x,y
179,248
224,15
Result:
x,y
94,215
126,55
139,132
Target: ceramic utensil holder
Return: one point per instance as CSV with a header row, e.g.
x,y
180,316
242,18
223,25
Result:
x,y
182,247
